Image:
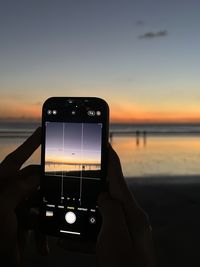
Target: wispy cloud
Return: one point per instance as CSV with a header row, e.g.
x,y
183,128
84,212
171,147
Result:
x,y
151,35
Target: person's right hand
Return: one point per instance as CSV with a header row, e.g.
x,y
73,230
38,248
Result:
x,y
125,238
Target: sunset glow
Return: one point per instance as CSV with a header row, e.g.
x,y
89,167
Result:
x,y
101,50
124,113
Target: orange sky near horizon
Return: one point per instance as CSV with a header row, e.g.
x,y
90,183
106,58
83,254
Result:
x,y
123,113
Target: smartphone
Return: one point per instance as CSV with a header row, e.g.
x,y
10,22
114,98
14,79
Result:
x,y
74,166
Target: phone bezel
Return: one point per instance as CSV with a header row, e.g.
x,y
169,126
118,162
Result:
x,y
61,101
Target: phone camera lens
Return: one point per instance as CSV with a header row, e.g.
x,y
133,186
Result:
x,y
73,112
91,113
49,112
70,101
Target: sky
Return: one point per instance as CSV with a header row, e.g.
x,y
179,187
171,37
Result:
x,y
81,143
141,56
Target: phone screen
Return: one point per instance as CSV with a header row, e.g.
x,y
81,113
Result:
x,y
74,171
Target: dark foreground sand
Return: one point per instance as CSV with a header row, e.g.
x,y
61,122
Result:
x,y
173,205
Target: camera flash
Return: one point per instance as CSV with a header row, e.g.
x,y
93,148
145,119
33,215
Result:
x,y
54,112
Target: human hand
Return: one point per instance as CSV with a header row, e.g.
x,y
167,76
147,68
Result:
x,y
16,185
125,238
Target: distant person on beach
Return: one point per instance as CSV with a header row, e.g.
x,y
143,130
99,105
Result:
x,y
125,237
137,138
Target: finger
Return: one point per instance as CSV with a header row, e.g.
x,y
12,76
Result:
x,y
41,240
114,242
136,218
28,219
112,211
27,188
17,158
29,179
113,218
117,185
22,212
29,171
23,185
34,199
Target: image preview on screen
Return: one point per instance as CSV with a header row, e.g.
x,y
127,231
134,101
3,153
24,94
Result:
x,y
73,162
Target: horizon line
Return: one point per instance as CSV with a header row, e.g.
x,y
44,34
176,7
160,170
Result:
x,y
112,121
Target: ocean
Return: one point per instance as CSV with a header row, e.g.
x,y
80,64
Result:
x,y
145,150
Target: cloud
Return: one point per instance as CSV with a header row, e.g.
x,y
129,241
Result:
x,y
151,35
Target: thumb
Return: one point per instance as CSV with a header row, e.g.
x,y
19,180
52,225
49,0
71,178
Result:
x,y
28,182
113,217
114,244
110,209
23,185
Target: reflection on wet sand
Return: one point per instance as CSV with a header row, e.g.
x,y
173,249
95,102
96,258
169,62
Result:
x,y
161,155
139,136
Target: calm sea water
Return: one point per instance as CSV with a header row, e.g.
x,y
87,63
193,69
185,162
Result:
x,y
144,150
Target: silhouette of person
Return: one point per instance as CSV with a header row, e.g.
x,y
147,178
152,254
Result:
x,y
144,138
125,236
137,138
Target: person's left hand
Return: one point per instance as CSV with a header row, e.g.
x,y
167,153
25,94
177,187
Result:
x,y
16,185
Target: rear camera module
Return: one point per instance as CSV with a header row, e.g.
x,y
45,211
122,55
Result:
x,y
91,113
